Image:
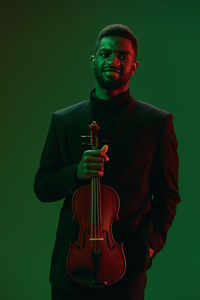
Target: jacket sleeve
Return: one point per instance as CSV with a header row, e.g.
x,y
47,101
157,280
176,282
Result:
x,y
53,180
164,184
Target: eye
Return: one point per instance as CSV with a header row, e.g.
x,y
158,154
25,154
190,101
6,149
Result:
x,y
121,56
105,54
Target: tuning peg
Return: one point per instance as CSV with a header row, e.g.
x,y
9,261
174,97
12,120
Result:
x,y
86,136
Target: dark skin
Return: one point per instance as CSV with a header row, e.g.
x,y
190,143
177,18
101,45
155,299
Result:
x,y
92,163
117,54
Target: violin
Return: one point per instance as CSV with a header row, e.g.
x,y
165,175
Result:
x,y
95,259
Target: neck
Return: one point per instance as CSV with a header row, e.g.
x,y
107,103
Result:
x,y
105,94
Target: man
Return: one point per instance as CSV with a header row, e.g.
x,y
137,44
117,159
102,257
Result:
x,y
137,157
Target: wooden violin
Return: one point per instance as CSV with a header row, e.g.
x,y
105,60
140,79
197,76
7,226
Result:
x,y
95,259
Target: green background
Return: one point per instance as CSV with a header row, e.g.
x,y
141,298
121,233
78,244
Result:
x,y
44,66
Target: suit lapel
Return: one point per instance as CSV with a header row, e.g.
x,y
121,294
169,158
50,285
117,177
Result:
x,y
79,128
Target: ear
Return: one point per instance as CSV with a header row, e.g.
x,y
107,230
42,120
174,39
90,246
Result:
x,y
92,60
134,67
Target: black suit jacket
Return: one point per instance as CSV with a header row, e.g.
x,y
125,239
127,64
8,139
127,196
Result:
x,y
143,169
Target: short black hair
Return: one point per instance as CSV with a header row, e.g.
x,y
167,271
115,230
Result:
x,y
117,30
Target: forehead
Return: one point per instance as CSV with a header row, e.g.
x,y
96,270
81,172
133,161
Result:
x,y
116,43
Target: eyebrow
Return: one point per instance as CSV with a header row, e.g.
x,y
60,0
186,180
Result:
x,y
121,51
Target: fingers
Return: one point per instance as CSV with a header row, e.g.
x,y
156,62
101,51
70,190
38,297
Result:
x,y
94,159
96,155
94,167
92,163
93,173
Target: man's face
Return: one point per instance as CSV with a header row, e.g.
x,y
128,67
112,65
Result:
x,y
114,62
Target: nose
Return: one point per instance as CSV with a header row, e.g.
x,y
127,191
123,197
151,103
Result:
x,y
113,60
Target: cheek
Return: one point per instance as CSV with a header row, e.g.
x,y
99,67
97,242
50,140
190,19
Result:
x,y
97,68
127,70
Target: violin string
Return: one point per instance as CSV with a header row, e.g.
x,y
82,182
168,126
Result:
x,y
99,195
95,211
99,212
91,212
96,215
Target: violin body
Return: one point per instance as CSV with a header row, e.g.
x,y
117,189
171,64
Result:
x,y
95,259
110,262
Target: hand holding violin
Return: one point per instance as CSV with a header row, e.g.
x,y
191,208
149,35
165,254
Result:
x,y
92,163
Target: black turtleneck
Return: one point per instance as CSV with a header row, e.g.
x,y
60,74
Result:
x,y
107,113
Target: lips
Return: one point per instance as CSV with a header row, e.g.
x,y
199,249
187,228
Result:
x,y
111,70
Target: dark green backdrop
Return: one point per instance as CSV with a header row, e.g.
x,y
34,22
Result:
x,y
44,66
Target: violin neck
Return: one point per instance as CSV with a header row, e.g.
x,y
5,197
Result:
x,y
95,211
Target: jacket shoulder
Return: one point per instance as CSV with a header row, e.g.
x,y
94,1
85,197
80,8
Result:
x,y
151,113
72,109
151,109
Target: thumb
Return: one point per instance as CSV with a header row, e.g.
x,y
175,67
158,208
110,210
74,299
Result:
x,y
104,149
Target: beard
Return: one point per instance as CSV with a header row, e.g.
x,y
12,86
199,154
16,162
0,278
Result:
x,y
111,82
